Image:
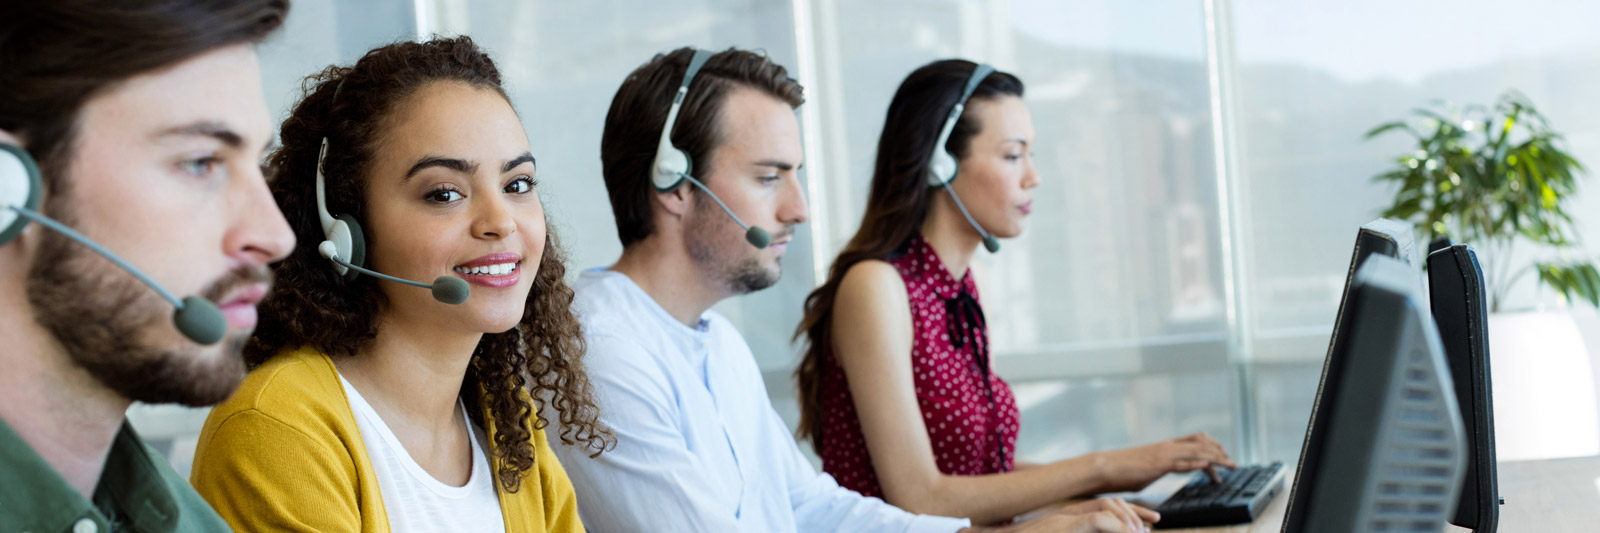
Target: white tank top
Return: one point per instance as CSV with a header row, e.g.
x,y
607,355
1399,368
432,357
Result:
x,y
415,501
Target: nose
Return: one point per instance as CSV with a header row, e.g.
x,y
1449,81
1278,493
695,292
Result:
x,y
259,234
1030,175
493,220
793,210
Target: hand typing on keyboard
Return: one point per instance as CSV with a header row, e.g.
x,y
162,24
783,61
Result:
x,y
1239,497
1131,469
1099,515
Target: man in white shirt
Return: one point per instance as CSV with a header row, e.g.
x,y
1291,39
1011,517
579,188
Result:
x,y
699,447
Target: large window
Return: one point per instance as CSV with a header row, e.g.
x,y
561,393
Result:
x,y
1109,313
563,62
1202,161
1313,77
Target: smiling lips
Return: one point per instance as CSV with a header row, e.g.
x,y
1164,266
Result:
x,y
497,270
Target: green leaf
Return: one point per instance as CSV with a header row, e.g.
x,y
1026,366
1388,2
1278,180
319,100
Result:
x,y
1506,181
1589,278
1386,127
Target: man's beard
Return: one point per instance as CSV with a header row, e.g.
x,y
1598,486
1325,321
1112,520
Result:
x,y
714,246
109,324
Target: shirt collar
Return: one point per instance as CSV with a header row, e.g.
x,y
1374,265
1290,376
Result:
x,y
925,264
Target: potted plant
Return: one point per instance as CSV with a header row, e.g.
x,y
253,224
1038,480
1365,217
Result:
x,y
1494,177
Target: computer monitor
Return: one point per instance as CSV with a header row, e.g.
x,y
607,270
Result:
x,y
1460,309
1385,449
1382,237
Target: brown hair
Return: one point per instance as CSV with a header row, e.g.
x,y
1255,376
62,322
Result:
x,y
311,305
55,55
896,204
639,112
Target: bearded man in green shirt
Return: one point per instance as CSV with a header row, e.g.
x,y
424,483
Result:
x,y
139,124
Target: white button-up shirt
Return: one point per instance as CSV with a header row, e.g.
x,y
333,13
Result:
x,y
699,447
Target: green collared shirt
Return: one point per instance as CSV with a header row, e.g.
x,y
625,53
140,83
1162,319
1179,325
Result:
x,y
138,493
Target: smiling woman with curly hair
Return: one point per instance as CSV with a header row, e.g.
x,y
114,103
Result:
x,y
371,404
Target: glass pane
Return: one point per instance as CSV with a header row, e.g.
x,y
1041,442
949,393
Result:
x,y
1123,246
1313,77
1120,271
561,77
1072,417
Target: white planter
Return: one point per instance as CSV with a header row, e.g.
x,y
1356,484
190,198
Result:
x,y
1544,397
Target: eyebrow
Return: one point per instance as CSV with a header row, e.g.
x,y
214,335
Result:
x,y
212,129
1017,140
458,165
524,158
780,165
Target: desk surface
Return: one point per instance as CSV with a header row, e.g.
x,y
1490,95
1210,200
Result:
x,y
1548,495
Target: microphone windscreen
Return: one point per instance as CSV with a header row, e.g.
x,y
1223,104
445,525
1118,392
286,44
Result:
x,y
200,320
758,237
450,289
991,244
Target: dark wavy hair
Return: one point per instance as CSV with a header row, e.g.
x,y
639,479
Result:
x,y
311,305
639,111
896,204
55,55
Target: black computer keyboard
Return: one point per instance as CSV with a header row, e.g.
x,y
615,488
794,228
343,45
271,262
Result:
x,y
1239,498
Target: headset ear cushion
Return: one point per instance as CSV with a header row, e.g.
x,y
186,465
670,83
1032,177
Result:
x,y
30,195
669,168
358,245
941,169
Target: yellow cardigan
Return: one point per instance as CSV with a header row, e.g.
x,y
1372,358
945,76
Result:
x,y
284,454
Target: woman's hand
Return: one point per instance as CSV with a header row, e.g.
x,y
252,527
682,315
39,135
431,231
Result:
x,y
1093,516
1132,469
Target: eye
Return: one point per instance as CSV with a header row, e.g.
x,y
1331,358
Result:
x,y
1013,157
444,195
522,185
769,180
201,166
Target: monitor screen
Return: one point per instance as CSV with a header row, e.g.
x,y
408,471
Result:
x,y
1385,450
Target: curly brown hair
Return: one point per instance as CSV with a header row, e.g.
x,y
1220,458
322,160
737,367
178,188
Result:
x,y
312,305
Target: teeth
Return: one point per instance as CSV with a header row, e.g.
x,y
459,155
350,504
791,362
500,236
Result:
x,y
489,270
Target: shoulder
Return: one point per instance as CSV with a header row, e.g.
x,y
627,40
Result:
x,y
873,284
873,271
597,291
292,383
296,391
606,303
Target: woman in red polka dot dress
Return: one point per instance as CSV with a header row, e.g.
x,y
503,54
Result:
x,y
895,385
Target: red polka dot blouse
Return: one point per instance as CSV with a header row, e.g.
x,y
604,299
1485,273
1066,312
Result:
x,y
971,435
